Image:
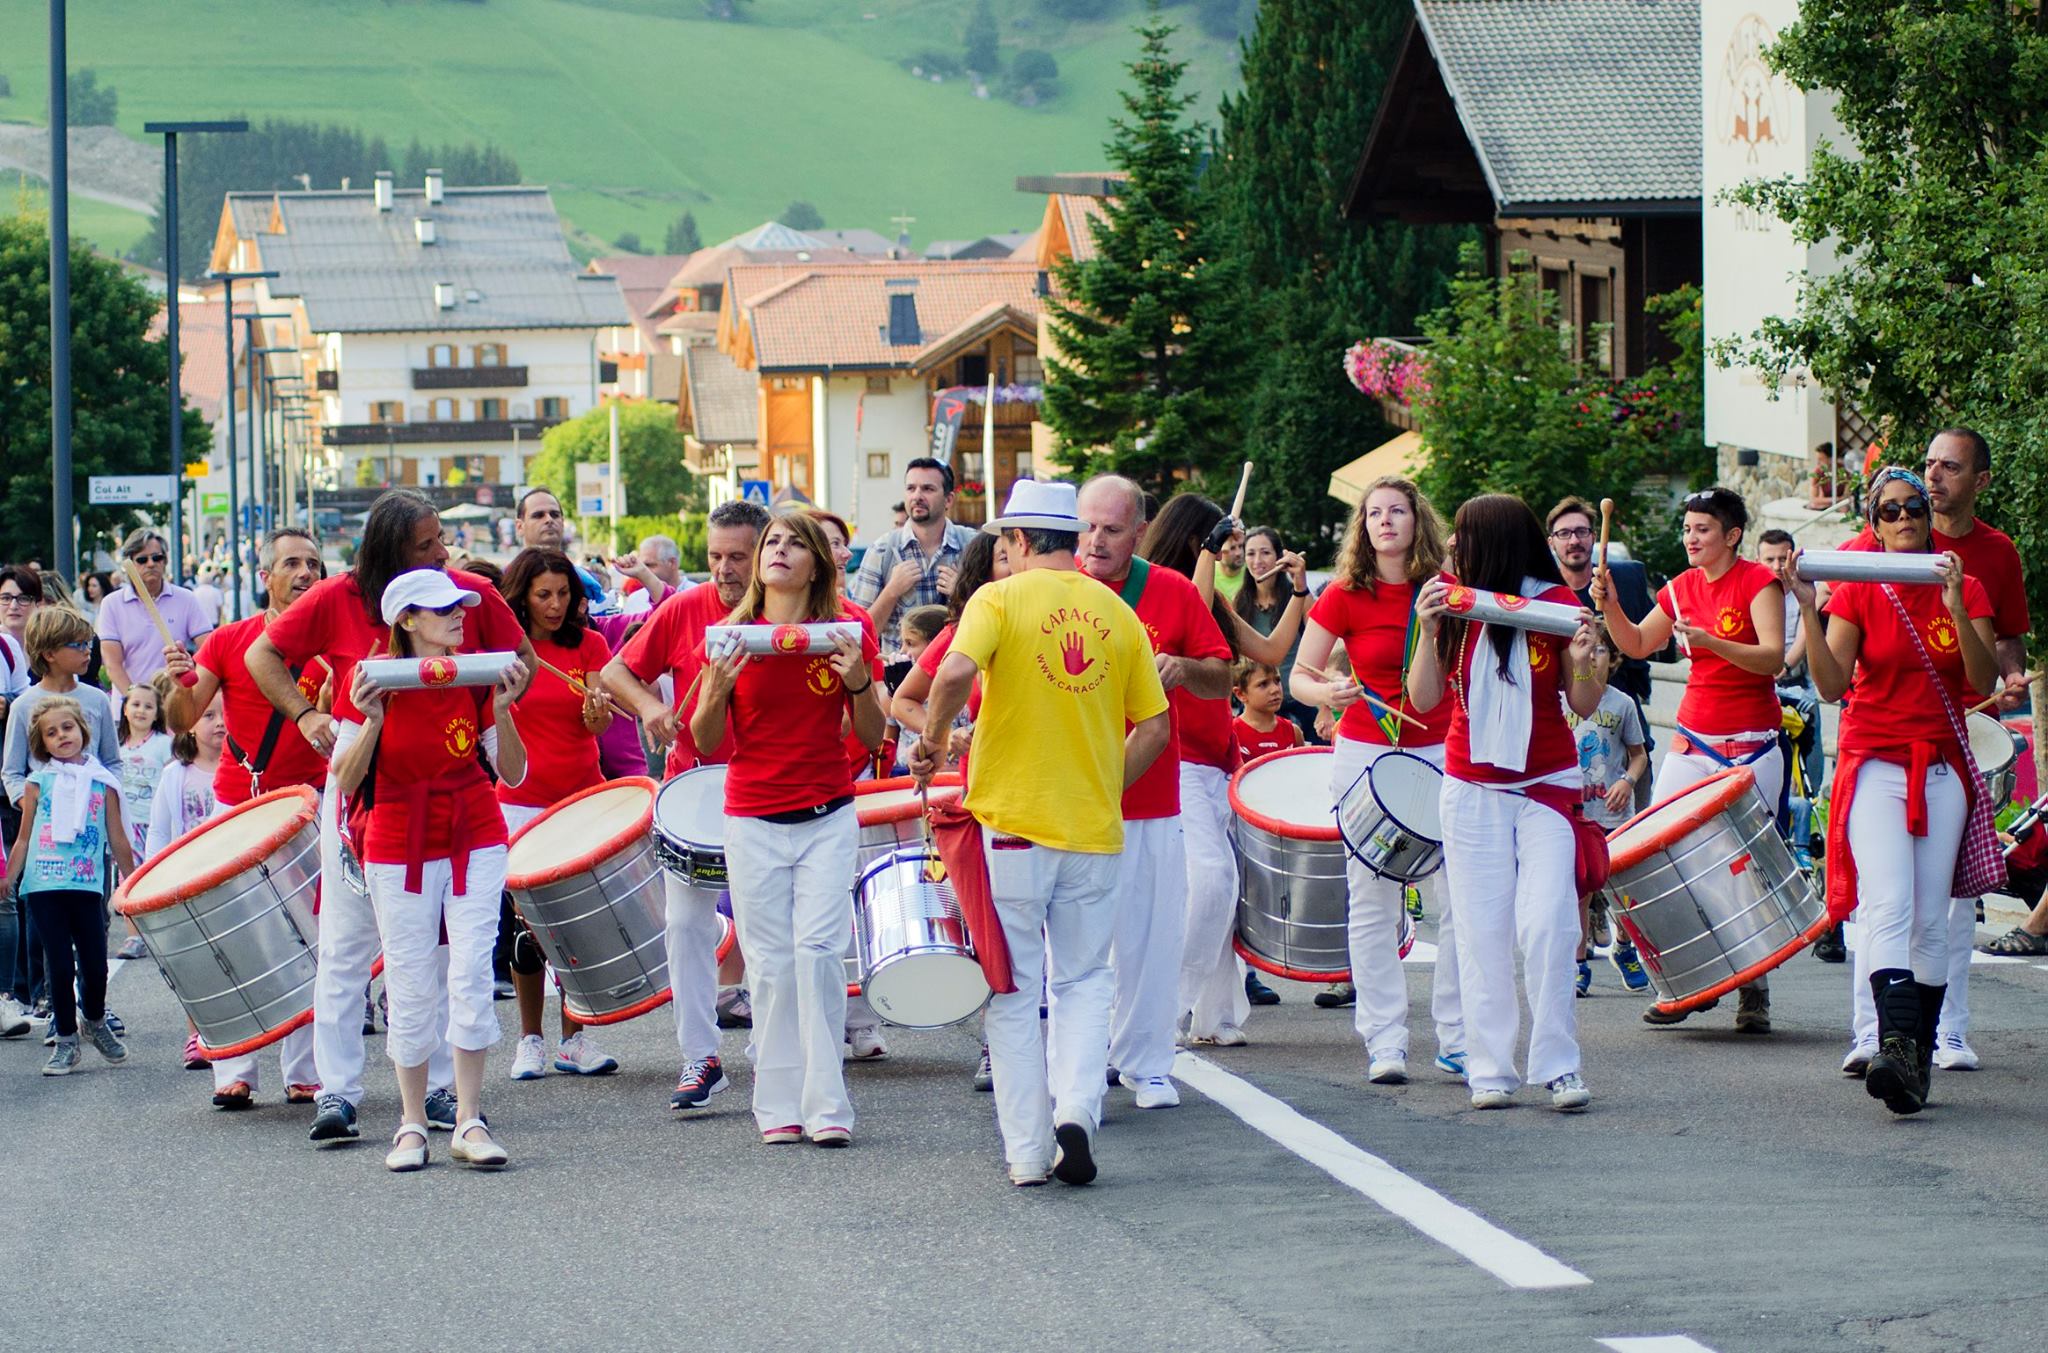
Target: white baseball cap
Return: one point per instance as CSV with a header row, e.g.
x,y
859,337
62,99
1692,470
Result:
x,y
426,589
1039,506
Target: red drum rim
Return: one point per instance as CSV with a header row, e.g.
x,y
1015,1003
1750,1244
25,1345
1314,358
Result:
x,y
910,808
265,1039
308,813
1292,830
726,939
603,850
1272,969
1699,1000
1713,795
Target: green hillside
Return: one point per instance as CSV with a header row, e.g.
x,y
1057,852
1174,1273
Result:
x,y
110,229
635,110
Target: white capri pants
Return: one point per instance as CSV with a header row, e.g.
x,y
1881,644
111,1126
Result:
x,y
793,909
1902,880
1509,867
1151,930
1381,1015
1211,982
410,924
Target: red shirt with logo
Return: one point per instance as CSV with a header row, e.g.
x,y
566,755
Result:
x,y
248,712
1251,743
1891,705
1551,745
1176,622
784,719
1372,624
673,642
1720,698
561,754
1990,557
330,622
429,735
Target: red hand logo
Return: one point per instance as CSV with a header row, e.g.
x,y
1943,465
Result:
x,y
1076,661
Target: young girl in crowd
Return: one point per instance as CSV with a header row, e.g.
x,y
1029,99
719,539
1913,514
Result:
x,y
70,813
1260,729
145,748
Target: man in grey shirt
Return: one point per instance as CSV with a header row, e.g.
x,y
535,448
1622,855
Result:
x,y
915,564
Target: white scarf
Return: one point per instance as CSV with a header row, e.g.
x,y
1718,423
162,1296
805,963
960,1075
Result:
x,y
73,795
1499,710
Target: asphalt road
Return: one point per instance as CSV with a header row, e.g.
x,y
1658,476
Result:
x,y
1729,1190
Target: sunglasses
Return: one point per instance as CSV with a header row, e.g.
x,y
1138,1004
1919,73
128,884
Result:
x,y
80,645
443,611
1914,507
150,558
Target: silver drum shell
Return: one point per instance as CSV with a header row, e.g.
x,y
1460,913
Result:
x,y
1375,835
917,967
604,932
1294,907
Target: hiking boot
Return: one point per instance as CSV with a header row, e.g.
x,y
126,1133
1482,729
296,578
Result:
x,y
1831,948
1894,1075
1752,1011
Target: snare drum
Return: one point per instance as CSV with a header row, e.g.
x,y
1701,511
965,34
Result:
x,y
918,969
227,913
689,827
1389,820
1997,756
1708,891
587,882
1293,907
891,813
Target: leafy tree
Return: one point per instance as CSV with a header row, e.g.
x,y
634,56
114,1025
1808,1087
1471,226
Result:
x,y
658,483
981,40
628,242
1936,208
682,237
87,102
118,379
1148,340
801,215
1226,18
1312,281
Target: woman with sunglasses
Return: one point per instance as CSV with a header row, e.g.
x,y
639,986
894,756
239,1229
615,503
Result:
x,y
1729,615
1909,659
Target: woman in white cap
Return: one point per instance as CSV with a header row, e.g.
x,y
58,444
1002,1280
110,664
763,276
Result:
x,y
432,842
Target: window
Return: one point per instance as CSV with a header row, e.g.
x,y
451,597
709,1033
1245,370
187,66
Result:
x,y
1030,371
490,354
1596,320
442,411
878,464
490,410
441,354
387,411
787,383
554,406
878,385
974,369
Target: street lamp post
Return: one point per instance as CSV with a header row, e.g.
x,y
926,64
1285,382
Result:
x,y
169,131
228,280
253,350
63,552
276,392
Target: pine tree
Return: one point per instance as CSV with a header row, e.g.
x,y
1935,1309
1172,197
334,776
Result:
x,y
682,237
1145,381
1314,282
981,40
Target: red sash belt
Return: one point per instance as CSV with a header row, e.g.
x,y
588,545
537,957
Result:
x,y
454,786
1918,758
1590,863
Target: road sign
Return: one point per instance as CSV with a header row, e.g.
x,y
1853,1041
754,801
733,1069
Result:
x,y
755,491
196,469
591,498
213,504
107,489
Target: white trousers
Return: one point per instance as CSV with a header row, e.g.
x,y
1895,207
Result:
x,y
1381,1015
1508,863
348,950
1211,980
1059,912
791,904
1904,915
410,924
691,936
294,1057
1151,889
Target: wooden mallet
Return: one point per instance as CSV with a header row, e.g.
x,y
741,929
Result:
x,y
1606,520
1988,701
1244,481
190,676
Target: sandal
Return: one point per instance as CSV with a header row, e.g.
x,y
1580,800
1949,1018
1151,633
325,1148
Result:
x,y
234,1095
2019,942
403,1159
484,1154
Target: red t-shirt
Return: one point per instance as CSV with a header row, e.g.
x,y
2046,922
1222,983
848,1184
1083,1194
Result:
x,y
429,735
935,653
1551,746
1890,706
673,642
248,712
1372,624
1176,622
330,622
783,722
1252,743
1990,557
561,754
1720,698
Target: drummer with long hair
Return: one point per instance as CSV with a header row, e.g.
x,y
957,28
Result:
x,y
559,725
1910,659
433,851
790,825
1392,547
1510,797
1729,613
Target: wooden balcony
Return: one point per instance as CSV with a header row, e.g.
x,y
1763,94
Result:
x,y
409,434
468,377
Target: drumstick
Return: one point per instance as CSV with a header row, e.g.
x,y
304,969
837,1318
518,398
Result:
x,y
934,867
1606,518
1365,695
1988,701
582,689
1244,481
188,677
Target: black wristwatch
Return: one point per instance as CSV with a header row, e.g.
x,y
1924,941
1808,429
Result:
x,y
1301,592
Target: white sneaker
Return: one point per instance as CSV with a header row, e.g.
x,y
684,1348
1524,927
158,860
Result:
x,y
530,1059
1952,1052
1152,1092
1858,1060
1568,1092
580,1055
1226,1036
864,1045
14,1021
1492,1099
1388,1069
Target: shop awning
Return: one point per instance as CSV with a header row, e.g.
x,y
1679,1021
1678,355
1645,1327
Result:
x,y
1402,456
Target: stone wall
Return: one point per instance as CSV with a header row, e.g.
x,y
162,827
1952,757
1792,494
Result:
x,y
1771,478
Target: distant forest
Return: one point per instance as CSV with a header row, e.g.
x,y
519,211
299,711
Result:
x,y
277,152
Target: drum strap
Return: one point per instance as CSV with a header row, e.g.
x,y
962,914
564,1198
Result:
x,y
1134,582
267,747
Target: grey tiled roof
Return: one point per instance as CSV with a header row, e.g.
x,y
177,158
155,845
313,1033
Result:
x,y
1574,100
724,400
360,270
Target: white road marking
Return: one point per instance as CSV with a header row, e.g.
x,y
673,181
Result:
x,y
1511,1259
1657,1343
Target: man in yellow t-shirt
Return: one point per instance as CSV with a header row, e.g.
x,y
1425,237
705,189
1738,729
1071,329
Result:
x,y
1064,667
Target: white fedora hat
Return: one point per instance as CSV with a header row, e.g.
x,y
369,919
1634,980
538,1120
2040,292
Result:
x,y
1039,506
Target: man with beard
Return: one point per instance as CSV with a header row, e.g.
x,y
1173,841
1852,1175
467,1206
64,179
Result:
x,y
914,566
1573,527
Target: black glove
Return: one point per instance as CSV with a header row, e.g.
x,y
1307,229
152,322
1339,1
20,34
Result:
x,y
1220,535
